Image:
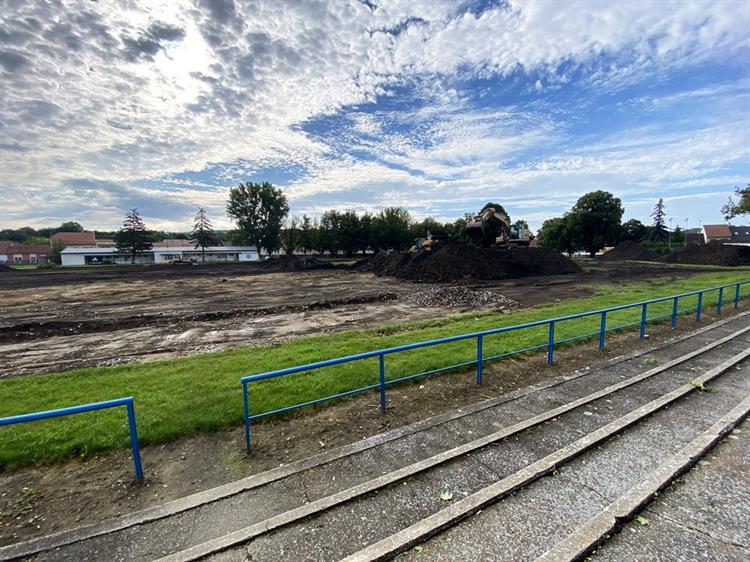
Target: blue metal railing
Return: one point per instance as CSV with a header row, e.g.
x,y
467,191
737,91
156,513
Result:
x,y
549,345
127,402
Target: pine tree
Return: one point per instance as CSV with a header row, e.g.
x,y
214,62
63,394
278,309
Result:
x,y
203,234
133,236
658,229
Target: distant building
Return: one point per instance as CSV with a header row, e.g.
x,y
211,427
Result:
x,y
84,238
740,234
716,232
172,243
13,253
88,255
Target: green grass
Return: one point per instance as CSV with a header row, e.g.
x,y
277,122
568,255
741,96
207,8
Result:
x,y
178,397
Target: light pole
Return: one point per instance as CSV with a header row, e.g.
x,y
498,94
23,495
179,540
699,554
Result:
x,y
684,234
670,234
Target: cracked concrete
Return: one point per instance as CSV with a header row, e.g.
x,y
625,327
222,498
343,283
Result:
x,y
705,515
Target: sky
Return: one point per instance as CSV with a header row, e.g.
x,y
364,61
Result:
x,y
362,104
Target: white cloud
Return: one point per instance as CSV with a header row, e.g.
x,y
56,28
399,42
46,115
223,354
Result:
x,y
214,82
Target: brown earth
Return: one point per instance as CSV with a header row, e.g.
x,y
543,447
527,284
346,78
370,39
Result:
x,y
39,500
629,250
55,320
711,254
461,262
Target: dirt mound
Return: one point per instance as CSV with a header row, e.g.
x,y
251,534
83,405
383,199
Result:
x,y
462,297
294,263
629,250
452,262
711,254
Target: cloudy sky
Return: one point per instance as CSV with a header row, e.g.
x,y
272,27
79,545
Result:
x,y
436,106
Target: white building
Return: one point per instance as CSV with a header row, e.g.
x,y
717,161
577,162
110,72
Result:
x,y
82,255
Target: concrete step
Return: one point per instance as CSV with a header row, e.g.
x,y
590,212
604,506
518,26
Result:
x,y
541,510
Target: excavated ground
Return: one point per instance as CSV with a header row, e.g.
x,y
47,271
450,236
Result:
x,y
63,319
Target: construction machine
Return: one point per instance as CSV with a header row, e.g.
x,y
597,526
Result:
x,y
492,228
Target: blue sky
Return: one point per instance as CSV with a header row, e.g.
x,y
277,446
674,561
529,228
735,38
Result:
x,y
436,106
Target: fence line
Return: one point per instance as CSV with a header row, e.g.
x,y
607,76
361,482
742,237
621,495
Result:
x,y
549,345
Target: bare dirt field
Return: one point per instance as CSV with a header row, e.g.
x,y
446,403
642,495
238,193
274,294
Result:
x,y
62,319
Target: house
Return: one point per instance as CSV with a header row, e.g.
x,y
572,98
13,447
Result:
x,y
11,252
717,232
740,234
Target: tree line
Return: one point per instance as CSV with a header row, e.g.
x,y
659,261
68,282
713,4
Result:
x,y
595,221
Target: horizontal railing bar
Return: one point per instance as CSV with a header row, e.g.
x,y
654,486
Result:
x,y
311,402
516,352
431,372
36,416
461,337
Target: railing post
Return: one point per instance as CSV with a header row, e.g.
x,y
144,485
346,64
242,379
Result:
x,y
674,312
603,329
644,318
551,344
246,410
134,447
699,308
479,359
382,383
737,296
721,299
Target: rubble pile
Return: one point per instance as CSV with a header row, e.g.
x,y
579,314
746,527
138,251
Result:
x,y
460,297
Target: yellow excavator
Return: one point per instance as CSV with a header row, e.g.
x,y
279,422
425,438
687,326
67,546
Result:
x,y
491,227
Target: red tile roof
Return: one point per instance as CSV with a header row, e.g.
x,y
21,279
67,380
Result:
x,y
7,247
714,231
85,238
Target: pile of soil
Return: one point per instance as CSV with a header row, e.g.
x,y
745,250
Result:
x,y
453,262
629,250
294,263
711,254
462,297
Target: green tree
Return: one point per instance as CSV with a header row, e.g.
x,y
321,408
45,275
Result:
x,y
133,237
391,229
595,221
633,230
658,231
307,234
57,247
557,234
259,209
365,232
420,229
732,209
348,235
290,239
203,233
70,226
328,240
